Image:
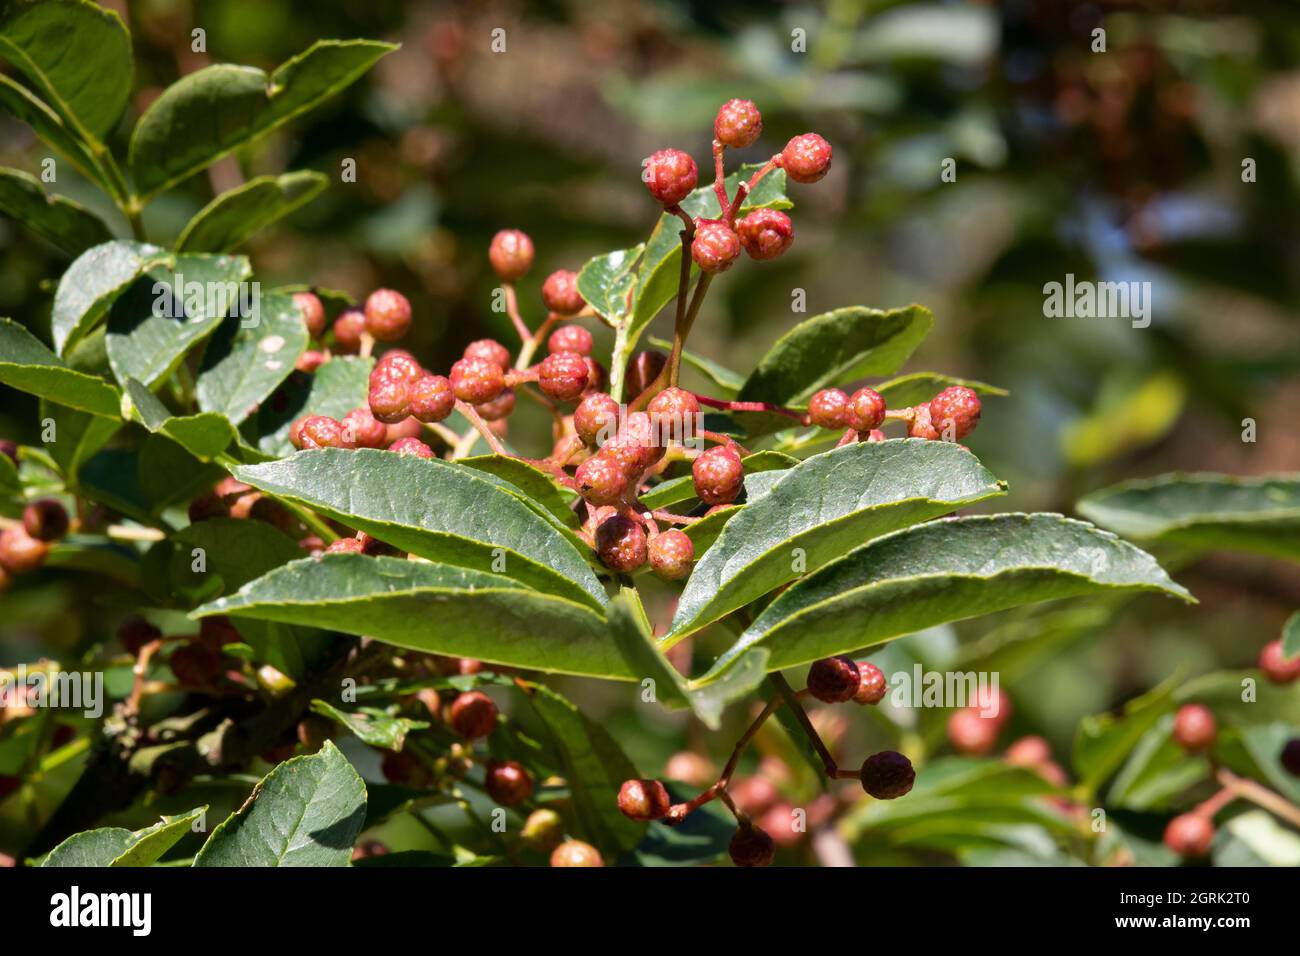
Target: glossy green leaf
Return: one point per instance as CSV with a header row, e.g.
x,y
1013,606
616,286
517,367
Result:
x,y
92,282
725,379
371,725
305,812
438,608
150,844
1291,637
204,436
114,846
946,570
334,389
76,54
918,387
535,485
26,364
236,215
436,509
823,507
65,223
168,310
80,435
1104,741
248,358
176,137
50,127
1156,771
606,281
1204,512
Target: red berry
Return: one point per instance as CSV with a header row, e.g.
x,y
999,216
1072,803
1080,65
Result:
x,y
320,431
411,446
362,430
20,552
135,632
829,409
217,632
1194,728
576,853
345,546
595,375
755,795
635,446
765,233
1290,757
887,775
955,412
570,338
311,360
563,376
738,124
872,685
671,554
643,800
389,400
511,254
670,175
674,414
716,245
489,349
690,768
919,426
473,714
476,380
45,520
431,399
719,475
833,680
972,734
865,410
621,544
560,293
806,158
347,330
508,783
404,769
1190,835
1031,751
751,846
497,409
601,480
1275,667
195,664
596,418
993,705
313,313
388,315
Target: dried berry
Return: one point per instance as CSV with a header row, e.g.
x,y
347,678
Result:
x,y
135,632
887,775
1290,757
751,846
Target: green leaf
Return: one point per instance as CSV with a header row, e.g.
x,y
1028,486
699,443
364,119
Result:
x,y
169,474
371,725
1156,771
334,389
235,216
76,54
1204,512
50,127
248,358
80,435
66,224
724,378
204,436
605,281
945,570
1104,741
834,348
431,607
176,137
1291,637
114,846
26,364
168,310
92,282
444,512
823,507
536,486
676,490
306,812
918,387
594,766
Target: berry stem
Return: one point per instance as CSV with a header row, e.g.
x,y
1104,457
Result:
x,y
683,328
720,175
533,342
731,406
512,310
475,419
1259,795
445,434
784,690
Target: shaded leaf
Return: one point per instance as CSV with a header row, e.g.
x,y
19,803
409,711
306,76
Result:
x,y
334,389
371,725
65,223
605,281
246,361
204,436
49,126
114,846
26,364
236,215
92,282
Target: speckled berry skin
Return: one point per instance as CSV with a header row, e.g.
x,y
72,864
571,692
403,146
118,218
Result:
x,y
319,431
738,124
473,715
601,480
489,349
671,554
431,398
1275,667
570,338
919,426
348,328
313,313
719,475
45,519
576,853
560,293
411,446
507,782
1290,756
345,546
806,158
1190,835
829,409
673,413
362,430
476,380
563,376
971,734
955,411
865,410
621,544
596,418
499,408
511,254
388,315
670,175
715,246
389,400
751,846
397,364
834,680
643,800
887,775
1195,728
872,685
635,446
765,233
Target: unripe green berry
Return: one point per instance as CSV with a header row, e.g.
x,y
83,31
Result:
x,y
388,315
670,175
865,410
671,553
738,124
476,380
829,409
806,158
511,254
313,313
643,800
570,338
431,399
560,293
887,775
563,376
765,233
834,680
719,475
621,544
715,246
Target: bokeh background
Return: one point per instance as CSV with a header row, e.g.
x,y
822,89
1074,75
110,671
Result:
x,y
1124,165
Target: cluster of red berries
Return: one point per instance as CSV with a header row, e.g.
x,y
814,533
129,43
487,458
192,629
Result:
x,y
951,415
25,544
